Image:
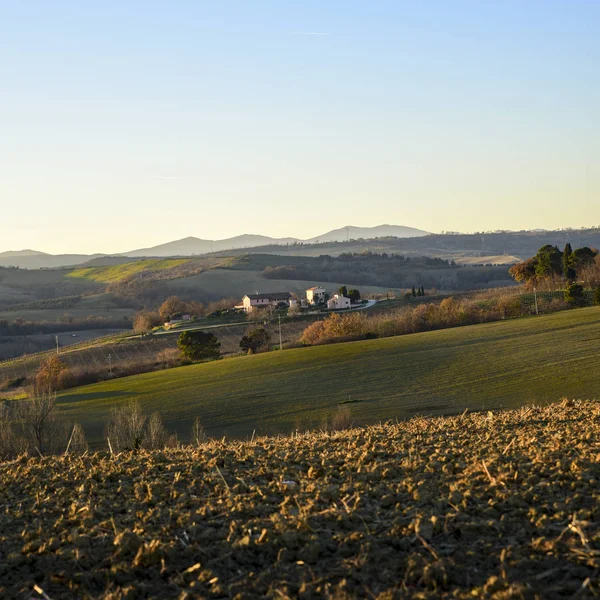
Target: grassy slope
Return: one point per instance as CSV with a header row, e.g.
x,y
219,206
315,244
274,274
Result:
x,y
218,283
118,272
498,364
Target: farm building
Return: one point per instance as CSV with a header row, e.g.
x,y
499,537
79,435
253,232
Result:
x,y
315,295
338,302
257,301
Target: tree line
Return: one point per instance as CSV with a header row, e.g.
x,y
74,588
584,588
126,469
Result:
x,y
571,270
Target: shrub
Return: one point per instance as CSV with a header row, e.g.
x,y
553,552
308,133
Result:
x,y
155,435
350,326
341,419
597,296
509,307
313,333
169,357
574,294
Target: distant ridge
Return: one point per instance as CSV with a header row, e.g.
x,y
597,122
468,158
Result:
x,y
19,253
189,246
351,232
192,245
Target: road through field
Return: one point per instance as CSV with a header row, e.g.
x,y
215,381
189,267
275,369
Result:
x,y
504,364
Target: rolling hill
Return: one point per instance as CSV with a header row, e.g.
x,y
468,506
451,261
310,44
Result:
x,y
15,253
503,364
354,233
190,246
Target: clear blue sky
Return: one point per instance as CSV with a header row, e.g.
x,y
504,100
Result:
x,y
125,124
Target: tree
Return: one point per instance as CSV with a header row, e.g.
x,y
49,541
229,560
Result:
x,y
47,376
38,419
254,340
343,291
524,271
199,345
597,296
146,320
195,308
126,427
422,290
581,258
548,261
574,294
172,305
568,270
414,292
354,296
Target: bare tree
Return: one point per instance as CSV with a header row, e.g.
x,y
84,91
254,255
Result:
x,y
38,419
156,435
125,429
77,443
198,433
8,439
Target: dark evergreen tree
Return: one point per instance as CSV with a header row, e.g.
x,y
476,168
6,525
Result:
x,y
568,270
199,345
414,292
548,261
574,295
354,296
255,340
422,290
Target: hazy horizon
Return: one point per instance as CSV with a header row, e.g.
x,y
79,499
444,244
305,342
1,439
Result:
x,y
127,125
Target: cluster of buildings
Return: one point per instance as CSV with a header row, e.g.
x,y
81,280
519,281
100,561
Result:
x,y
315,296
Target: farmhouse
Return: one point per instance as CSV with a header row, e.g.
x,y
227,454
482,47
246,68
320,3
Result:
x,y
315,295
257,301
338,301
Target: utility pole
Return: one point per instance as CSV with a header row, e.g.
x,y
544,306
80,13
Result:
x,y
280,338
536,302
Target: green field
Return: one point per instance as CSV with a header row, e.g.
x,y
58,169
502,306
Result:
x,y
218,283
122,271
504,364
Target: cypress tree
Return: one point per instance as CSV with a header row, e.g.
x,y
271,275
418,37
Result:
x,y
422,290
414,292
568,270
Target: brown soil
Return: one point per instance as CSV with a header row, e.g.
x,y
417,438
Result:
x,y
495,505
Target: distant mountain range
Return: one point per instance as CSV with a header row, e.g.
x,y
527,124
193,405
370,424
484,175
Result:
x,y
33,259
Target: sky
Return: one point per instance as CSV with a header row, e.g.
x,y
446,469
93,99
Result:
x,y
129,124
